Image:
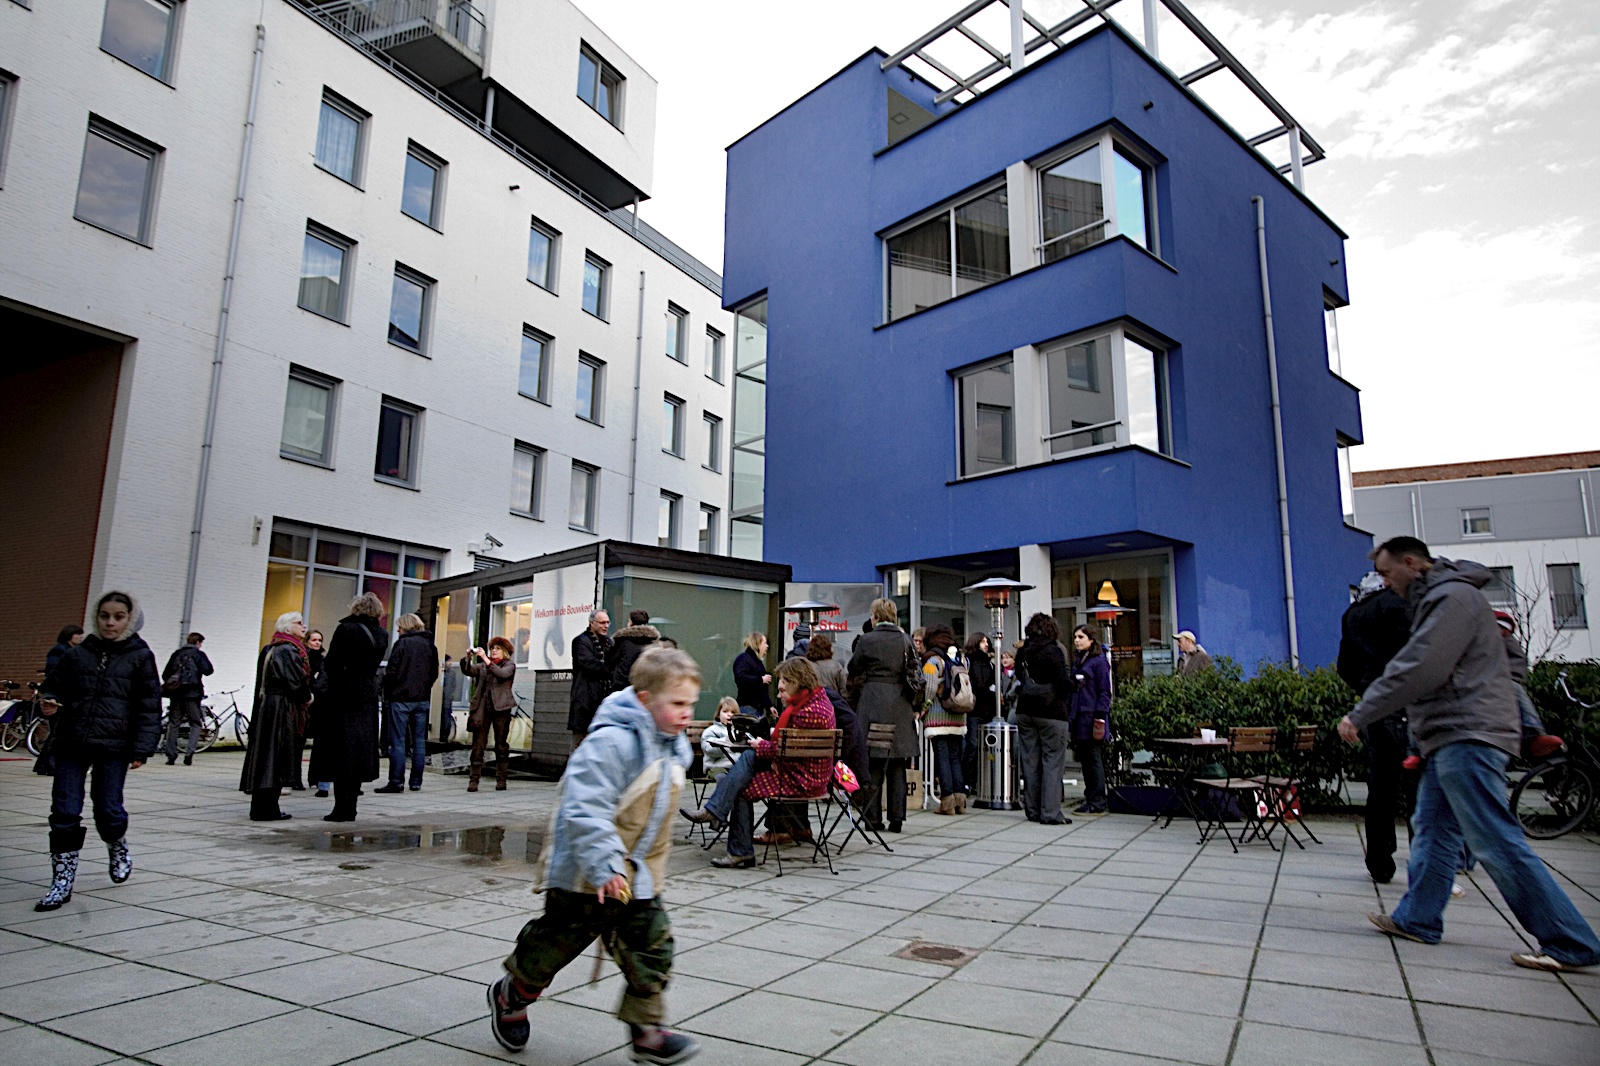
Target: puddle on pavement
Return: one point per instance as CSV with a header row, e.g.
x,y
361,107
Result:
x,y
475,845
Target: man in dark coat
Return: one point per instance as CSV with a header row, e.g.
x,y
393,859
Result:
x,y
628,646
187,667
346,751
1373,629
591,676
408,680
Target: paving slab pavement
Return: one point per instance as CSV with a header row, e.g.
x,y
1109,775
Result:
x,y
1109,941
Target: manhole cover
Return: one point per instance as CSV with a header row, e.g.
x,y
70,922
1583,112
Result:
x,y
354,866
943,954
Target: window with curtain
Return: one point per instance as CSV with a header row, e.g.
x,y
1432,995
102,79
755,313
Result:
x,y
339,129
308,418
962,248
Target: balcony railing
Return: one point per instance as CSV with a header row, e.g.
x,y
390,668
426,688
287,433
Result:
x,y
387,23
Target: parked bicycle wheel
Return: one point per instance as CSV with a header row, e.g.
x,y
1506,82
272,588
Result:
x,y
37,735
1554,797
210,729
241,728
11,734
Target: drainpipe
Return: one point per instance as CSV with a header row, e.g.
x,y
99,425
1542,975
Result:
x,y
209,439
638,372
1277,432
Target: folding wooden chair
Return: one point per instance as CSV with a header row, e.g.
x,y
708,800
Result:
x,y
1248,749
1295,748
808,744
880,742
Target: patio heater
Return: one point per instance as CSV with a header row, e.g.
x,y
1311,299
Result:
x,y
1106,611
809,610
997,765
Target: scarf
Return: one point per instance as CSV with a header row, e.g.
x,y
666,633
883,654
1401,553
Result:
x,y
794,703
299,646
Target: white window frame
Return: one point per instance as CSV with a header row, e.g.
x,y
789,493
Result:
x,y
956,377
591,500
1509,575
1109,145
346,264
602,309
1347,482
597,397
677,334
169,50
716,350
424,327
530,333
1330,333
309,377
711,517
673,432
8,107
713,424
435,219
1580,620
552,265
948,209
1468,514
129,141
414,475
1117,335
601,67
672,510
360,116
535,501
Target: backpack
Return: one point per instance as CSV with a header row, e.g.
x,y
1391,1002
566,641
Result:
x,y
955,692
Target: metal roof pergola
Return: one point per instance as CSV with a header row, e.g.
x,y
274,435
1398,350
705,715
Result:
x,y
962,89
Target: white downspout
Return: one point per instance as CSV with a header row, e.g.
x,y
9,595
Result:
x,y
209,440
638,372
1277,433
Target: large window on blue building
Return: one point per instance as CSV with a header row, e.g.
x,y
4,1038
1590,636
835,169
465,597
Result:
x,y
1092,191
749,473
1105,390
986,398
955,249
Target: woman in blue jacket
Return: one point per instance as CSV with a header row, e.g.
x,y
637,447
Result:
x,y
1091,703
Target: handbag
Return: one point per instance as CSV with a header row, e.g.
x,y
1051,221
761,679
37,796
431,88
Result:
x,y
845,778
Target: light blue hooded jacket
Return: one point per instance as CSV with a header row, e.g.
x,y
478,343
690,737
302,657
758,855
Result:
x,y
623,755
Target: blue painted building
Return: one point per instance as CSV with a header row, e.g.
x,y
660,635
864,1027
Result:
x,y
1024,334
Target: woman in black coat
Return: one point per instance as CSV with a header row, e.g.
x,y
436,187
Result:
x,y
1091,703
104,702
980,669
751,678
878,668
283,689
346,751
1042,711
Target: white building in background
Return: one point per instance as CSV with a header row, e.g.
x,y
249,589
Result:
x,y
1534,521
446,336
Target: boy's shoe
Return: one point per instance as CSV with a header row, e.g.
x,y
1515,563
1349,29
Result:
x,y
1386,924
1543,962
508,1014
1543,746
390,789
662,1046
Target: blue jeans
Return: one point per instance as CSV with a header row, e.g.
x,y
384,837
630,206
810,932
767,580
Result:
x,y
1462,800
729,804
408,728
947,765
105,791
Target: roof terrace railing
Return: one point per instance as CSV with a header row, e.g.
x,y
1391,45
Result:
x,y
1303,149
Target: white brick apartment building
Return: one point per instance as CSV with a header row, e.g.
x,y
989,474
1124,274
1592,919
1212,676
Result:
x,y
441,328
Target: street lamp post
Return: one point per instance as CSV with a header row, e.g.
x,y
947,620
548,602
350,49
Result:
x,y
997,593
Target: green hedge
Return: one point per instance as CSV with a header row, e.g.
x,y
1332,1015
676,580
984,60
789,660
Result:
x,y
1560,716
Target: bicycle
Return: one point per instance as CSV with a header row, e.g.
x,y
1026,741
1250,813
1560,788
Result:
x,y
241,720
1558,794
17,716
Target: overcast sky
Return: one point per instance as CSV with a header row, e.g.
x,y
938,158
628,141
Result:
x,y
1463,144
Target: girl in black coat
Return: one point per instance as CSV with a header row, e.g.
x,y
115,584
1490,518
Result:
x,y
1042,709
104,702
346,751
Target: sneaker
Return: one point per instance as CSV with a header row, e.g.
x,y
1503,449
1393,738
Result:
x,y
1386,925
508,1014
662,1046
321,793
1542,747
390,789
1543,962
1456,891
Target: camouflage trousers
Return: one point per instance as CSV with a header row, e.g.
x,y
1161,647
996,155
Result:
x,y
638,935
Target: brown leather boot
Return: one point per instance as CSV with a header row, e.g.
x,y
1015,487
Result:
x,y
947,804
500,777
472,782
961,802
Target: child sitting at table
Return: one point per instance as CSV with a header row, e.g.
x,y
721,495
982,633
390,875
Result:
x,y
716,741
604,861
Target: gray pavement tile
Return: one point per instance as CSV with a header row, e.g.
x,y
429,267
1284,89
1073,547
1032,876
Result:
x,y
1361,942
759,903
1061,943
978,1006
957,873
918,877
902,899
1449,956
784,1023
929,1043
237,957
1051,1053
94,918
971,902
941,929
734,964
839,914
1177,989
1106,898
1198,907
146,888
165,939
387,899
156,1021
415,1007
1506,1037
1242,891
302,1037
714,1049
1375,976
699,924
453,914
208,904
854,986
1329,1010
49,960
356,934
329,978
1076,916
1201,930
796,938
284,916
52,997
1541,996
877,953
422,1053
1148,1031
685,996
1273,1045
11,941
30,1044
1035,973
999,885
563,1035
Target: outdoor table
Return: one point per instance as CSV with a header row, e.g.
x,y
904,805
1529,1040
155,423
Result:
x,y
1188,755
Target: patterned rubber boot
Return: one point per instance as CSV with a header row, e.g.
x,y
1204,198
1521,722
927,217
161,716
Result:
x,y
121,861
64,871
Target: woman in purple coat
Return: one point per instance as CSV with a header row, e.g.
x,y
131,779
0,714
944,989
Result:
x,y
1091,703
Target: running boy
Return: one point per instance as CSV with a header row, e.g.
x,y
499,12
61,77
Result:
x,y
604,861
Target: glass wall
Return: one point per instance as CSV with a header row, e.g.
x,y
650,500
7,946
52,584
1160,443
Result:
x,y
1141,639
749,465
319,571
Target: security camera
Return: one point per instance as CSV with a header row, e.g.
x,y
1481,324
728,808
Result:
x,y
493,541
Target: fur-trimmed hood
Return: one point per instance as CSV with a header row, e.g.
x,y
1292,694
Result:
x,y
136,613
638,635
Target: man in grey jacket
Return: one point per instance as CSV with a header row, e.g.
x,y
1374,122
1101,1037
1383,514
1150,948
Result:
x,y
1453,676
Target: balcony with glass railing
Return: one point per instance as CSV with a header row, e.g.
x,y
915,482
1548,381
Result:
x,y
441,41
